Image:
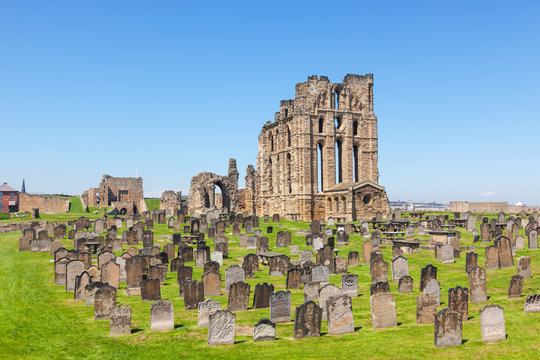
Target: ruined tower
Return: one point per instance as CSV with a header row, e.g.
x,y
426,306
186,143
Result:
x,y
318,159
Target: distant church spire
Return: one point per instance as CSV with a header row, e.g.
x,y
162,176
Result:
x,y
23,190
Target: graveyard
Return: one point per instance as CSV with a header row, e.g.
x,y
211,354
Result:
x,y
440,284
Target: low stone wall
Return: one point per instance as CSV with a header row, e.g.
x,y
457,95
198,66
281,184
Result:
x,y
45,204
10,227
490,207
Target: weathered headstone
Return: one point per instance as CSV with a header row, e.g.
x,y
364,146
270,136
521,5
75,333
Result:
x,y
293,279
532,303
162,316
221,328
340,314
233,274
524,266
193,294
349,285
212,283
207,308
238,296
428,272
433,287
458,299
405,284
426,308
400,268
492,323
516,284
264,330
477,284
448,328
120,321
379,271
492,257
104,302
150,290
280,307
307,320
471,260
383,310
261,298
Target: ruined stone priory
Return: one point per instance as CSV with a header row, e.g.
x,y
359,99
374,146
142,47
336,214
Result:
x,y
124,193
317,159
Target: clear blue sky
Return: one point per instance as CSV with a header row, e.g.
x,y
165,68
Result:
x,y
94,87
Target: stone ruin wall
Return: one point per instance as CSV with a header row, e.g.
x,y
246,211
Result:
x,y
170,200
490,207
116,189
45,204
287,148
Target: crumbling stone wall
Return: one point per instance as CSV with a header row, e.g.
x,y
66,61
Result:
x,y
170,200
329,131
117,189
45,204
203,196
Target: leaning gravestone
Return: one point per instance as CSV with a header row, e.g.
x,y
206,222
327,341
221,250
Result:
x,y
120,321
504,248
471,260
233,274
492,323
207,308
340,314
80,286
307,320
324,293
448,328
383,310
524,266
311,290
221,328
428,272
516,284
293,278
264,330
162,316
477,284
280,307
74,268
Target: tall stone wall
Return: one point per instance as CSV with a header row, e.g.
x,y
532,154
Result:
x,y
170,200
45,204
328,132
490,207
116,189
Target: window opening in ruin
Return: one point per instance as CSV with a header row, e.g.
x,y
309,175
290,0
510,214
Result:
x,y
355,162
289,173
366,199
339,177
270,179
288,136
286,113
337,205
320,167
355,128
271,142
218,197
337,121
336,100
321,125
330,204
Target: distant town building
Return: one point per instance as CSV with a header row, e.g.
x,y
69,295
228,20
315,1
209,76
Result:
x,y
9,199
418,206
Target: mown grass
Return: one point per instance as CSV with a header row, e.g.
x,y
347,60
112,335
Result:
x,y
40,320
152,203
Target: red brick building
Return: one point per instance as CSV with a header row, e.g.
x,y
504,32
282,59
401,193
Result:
x,y
9,199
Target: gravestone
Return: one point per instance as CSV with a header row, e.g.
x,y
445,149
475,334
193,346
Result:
x,y
120,321
532,303
353,258
264,330
221,328
150,290
428,272
320,274
148,239
367,248
524,266
516,284
317,243
74,268
207,308
212,283
217,256
471,260
80,286
110,273
104,302
193,294
458,299
233,274
447,254
277,266
504,248
400,268
305,256
426,308
176,263
261,298
293,278
60,271
250,265
380,287
307,320
324,293
294,249
477,284
383,310
134,271
533,239
492,257
238,296
433,287
448,328
379,271
340,265
162,316
520,242
349,285
405,284
492,323
202,255
280,307
311,290
340,314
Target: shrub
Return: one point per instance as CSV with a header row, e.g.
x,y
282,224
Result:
x,y
4,215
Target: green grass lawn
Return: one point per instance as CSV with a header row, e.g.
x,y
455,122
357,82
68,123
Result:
x,y
152,203
40,320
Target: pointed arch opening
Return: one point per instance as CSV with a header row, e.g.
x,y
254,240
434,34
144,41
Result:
x,y
321,125
320,173
339,172
355,162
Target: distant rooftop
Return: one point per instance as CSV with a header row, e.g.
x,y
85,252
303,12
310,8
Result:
x,y
6,187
